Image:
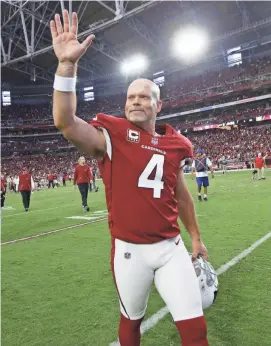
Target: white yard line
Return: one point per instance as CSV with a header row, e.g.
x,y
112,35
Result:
x,y
32,211
52,232
159,315
82,217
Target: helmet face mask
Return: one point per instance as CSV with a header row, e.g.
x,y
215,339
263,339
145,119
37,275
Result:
x,y
208,282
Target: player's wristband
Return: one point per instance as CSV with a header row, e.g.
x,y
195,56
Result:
x,y
64,84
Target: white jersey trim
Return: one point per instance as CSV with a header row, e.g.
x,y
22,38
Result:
x,y
108,143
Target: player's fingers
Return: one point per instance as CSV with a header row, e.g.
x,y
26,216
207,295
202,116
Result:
x,y
87,41
66,21
74,26
194,256
53,29
205,256
59,28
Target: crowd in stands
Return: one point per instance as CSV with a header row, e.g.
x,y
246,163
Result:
x,y
12,145
47,144
223,116
208,83
236,144
243,111
241,144
212,82
42,165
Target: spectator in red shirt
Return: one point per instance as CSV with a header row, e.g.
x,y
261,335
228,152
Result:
x,y
82,177
26,185
259,165
51,181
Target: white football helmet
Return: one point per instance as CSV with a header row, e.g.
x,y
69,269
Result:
x,y
208,282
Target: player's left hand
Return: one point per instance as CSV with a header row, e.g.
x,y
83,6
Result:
x,y
198,248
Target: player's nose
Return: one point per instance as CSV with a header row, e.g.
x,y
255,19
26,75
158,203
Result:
x,y
136,101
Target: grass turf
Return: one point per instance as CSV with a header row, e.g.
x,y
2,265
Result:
x,y
58,290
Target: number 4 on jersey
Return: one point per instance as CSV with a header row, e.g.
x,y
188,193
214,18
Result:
x,y
157,161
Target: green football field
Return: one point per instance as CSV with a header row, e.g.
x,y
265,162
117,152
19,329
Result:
x,y
57,288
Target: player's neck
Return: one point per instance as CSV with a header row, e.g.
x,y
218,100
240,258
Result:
x,y
148,127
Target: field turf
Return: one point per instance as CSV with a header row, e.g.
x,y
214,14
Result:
x,y
57,289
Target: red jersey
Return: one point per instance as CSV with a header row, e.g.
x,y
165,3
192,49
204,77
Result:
x,y
50,177
82,174
140,174
259,162
25,182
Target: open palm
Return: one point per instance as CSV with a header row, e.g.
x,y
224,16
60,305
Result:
x,y
65,43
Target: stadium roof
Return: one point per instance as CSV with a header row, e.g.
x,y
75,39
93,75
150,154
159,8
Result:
x,y
121,28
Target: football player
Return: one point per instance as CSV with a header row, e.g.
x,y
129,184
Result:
x,y
143,216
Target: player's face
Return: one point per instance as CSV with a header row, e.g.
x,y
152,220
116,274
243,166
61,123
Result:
x,y
141,104
82,160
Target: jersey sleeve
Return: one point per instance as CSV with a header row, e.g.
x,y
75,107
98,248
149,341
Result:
x,y
108,125
186,151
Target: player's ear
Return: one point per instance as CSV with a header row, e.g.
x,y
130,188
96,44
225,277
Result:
x,y
159,106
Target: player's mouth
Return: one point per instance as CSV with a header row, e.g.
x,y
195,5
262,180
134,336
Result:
x,y
136,110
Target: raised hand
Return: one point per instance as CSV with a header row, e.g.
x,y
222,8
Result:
x,y
65,43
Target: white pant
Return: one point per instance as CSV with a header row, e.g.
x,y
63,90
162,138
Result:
x,y
260,172
168,264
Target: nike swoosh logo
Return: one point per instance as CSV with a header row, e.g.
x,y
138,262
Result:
x,y
177,242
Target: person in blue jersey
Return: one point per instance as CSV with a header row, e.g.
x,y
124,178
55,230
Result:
x,y
200,167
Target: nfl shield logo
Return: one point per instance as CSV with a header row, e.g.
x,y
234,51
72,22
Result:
x,y
127,255
154,141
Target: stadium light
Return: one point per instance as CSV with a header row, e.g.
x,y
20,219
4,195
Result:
x,y
190,43
134,65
